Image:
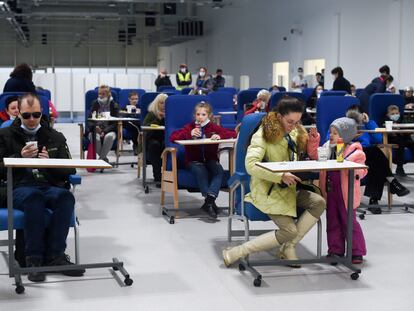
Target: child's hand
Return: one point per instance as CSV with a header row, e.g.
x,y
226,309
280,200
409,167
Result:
x,y
365,118
215,137
313,132
195,132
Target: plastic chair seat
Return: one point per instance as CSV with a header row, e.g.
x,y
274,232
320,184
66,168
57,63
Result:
x,y
251,212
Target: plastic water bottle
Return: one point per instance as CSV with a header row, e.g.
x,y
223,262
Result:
x,y
197,126
340,149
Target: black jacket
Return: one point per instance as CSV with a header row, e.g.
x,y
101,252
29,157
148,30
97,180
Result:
x,y
105,126
19,85
342,84
12,141
165,81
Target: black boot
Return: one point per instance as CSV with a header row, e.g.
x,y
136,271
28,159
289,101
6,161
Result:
x,y
209,205
374,208
398,189
34,261
400,171
64,260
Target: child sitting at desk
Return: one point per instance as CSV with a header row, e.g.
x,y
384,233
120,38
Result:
x,y
402,140
334,187
132,127
203,160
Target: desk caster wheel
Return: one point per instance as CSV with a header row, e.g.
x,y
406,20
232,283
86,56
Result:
x,y
257,282
19,289
361,216
172,220
128,281
241,267
355,276
132,165
115,268
146,190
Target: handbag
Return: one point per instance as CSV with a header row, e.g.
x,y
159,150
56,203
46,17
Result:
x,y
91,155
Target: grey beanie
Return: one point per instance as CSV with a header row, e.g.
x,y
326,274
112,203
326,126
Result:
x,y
346,127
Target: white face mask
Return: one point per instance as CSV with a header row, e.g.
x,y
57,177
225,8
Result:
x,y
183,70
103,99
395,117
202,73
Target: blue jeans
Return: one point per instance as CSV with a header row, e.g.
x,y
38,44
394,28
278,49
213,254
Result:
x,y
209,177
33,200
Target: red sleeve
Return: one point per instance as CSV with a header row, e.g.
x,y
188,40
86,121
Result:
x,y
224,133
253,109
184,133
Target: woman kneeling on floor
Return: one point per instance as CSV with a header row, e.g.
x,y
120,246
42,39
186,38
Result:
x,y
280,138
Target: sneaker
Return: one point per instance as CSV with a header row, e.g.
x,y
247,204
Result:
x,y
32,261
374,209
209,209
334,255
400,171
356,260
398,189
64,260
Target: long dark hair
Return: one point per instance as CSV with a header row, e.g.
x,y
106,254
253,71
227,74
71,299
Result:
x,y
22,71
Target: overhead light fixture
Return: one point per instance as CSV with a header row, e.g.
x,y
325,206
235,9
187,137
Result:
x,y
112,4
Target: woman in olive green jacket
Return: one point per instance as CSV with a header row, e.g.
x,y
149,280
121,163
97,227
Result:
x,y
280,138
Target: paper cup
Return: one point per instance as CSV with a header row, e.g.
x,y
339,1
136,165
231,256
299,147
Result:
x,y
388,125
129,108
322,154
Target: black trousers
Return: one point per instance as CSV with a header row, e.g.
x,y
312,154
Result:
x,y
403,141
132,129
154,150
378,172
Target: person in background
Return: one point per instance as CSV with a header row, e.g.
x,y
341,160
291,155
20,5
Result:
x,y
312,100
261,103
353,90
155,139
408,97
205,82
323,77
163,79
334,189
105,131
274,89
402,140
299,82
183,77
340,83
203,160
10,112
20,80
319,80
132,127
385,72
375,158
219,80
378,85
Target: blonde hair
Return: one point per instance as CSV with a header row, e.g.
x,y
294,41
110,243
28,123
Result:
x,y
263,94
392,107
154,107
206,106
106,88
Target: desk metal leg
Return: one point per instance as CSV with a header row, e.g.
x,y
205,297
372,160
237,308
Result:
x,y
119,143
144,161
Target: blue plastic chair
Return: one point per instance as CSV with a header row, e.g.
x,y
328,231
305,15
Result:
x,y
333,93
378,105
165,88
45,93
223,101
178,112
243,98
330,108
307,91
123,96
274,99
358,92
186,90
44,102
231,90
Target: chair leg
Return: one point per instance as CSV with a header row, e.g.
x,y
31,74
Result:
x,y
139,165
76,233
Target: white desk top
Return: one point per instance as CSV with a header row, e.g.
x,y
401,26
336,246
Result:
x,y
153,128
403,125
130,113
313,126
309,166
205,141
54,163
308,110
227,112
112,119
409,111
382,130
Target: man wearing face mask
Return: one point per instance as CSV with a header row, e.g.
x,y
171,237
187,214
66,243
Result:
x,y
34,190
183,77
219,80
163,79
298,82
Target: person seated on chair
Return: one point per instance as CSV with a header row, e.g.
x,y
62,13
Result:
x,y
402,140
377,85
408,97
260,104
381,173
105,131
353,90
132,127
334,189
35,190
203,160
204,83
279,138
163,79
11,110
155,139
219,80
183,77
316,94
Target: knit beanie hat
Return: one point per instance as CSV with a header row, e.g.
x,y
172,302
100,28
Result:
x,y
346,127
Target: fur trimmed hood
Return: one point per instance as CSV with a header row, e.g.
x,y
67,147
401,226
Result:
x,y
273,132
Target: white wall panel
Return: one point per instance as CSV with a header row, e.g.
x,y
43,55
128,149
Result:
x,y
63,99
46,81
147,81
133,81
91,81
121,80
107,79
78,92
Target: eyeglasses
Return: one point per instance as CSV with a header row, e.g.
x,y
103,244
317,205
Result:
x,y
35,115
293,123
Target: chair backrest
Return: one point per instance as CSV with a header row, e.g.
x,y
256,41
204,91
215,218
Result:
x,y
186,90
333,93
257,89
166,88
401,92
223,101
378,105
90,96
281,89
358,92
144,102
179,112
124,94
45,93
44,101
274,99
231,90
307,91
330,108
244,97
